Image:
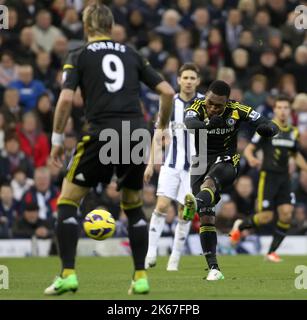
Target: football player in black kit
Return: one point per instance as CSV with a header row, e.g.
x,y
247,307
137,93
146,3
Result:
x,y
221,118
274,186
109,75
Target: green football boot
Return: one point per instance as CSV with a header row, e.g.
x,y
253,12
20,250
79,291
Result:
x,y
62,285
140,286
190,207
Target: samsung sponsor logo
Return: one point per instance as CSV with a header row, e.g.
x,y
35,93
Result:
x,y
283,143
221,130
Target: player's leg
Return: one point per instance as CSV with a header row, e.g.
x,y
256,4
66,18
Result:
x,y
131,203
183,226
219,176
67,232
281,228
168,186
156,226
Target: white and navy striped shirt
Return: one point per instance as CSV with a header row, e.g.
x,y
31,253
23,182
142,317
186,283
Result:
x,y
179,151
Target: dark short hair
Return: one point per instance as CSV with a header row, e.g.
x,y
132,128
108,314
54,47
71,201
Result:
x,y
282,97
188,66
220,88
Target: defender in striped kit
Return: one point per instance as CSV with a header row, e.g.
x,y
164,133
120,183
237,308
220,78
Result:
x,y
174,178
274,187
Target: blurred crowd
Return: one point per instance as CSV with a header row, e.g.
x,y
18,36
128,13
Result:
x,y
251,44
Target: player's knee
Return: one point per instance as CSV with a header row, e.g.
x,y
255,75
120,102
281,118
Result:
x,y
285,216
265,217
67,208
209,183
130,199
162,205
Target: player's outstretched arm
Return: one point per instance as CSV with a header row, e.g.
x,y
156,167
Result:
x,y
300,161
249,154
61,115
166,93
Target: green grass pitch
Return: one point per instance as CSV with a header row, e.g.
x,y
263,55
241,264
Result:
x,y
246,277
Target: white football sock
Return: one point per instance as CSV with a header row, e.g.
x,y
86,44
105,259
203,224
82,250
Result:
x,y
156,226
181,234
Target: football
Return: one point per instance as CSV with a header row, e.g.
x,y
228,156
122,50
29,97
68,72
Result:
x,y
99,224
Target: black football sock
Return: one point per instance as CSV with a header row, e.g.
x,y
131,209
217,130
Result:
x,y
67,232
279,234
138,236
208,240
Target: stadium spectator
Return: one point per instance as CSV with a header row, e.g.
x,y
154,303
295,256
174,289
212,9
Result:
x,y
119,33
232,28
59,52
226,217
244,196
170,70
29,89
45,34
183,46
278,11
287,86
257,94
300,107
268,67
44,112
9,210
185,9
152,11
227,74
32,225
201,28
298,68
301,190
27,10
137,32
12,158
71,25
43,70
11,108
26,47
248,11
262,28
43,193
2,130
20,183
215,48
201,59
168,28
218,11
155,52
120,10
240,63
33,142
8,69
57,9
299,224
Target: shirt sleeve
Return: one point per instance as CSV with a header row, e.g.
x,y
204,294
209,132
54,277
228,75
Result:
x,y
257,141
195,110
148,74
296,134
71,77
